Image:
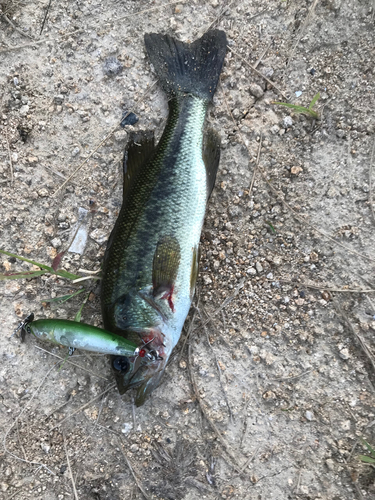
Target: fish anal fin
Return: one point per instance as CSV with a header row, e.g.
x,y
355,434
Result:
x,y
211,157
165,268
138,151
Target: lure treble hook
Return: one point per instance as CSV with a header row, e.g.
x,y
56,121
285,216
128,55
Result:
x,y
22,326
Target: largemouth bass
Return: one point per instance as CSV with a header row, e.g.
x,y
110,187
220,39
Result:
x,y
151,261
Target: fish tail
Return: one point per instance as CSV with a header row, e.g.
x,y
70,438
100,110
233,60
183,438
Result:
x,y
188,68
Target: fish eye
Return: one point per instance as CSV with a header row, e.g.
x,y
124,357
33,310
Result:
x,y
121,364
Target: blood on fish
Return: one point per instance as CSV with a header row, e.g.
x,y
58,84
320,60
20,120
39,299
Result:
x,y
168,296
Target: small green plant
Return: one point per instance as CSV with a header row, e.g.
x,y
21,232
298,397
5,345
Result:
x,y
273,230
32,274
301,109
368,459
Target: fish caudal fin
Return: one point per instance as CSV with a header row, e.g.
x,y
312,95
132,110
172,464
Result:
x,y
188,68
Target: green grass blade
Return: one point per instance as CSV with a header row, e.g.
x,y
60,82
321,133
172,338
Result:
x,y
64,298
22,275
273,230
63,363
316,97
79,313
369,447
60,272
367,459
299,109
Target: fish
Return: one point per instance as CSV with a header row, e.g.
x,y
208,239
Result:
x,y
127,356
150,265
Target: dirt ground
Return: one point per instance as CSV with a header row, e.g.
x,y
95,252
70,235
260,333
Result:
x,y
274,389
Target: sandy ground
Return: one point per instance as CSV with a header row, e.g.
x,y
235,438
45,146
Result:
x,y
281,351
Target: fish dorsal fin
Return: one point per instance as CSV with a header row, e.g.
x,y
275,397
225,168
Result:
x,y
165,265
211,157
138,151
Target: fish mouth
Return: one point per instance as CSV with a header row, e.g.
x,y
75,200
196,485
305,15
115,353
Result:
x,y
139,373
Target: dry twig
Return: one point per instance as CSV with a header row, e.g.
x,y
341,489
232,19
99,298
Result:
x,y
96,149
70,470
327,288
10,158
86,160
256,167
37,42
84,406
305,223
360,339
217,18
74,364
148,10
370,198
45,17
218,369
16,420
220,437
303,27
138,482
257,72
4,16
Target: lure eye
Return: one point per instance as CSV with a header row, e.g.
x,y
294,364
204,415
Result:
x,y
121,364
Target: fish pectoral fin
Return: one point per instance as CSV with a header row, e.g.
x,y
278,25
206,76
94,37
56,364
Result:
x,y
139,150
211,157
165,268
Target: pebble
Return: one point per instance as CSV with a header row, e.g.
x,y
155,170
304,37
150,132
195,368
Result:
x,y
207,280
251,271
256,90
259,267
45,447
56,242
76,151
344,354
58,99
120,136
330,464
112,66
14,157
287,122
24,110
61,217
43,192
126,428
99,235
296,170
309,415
